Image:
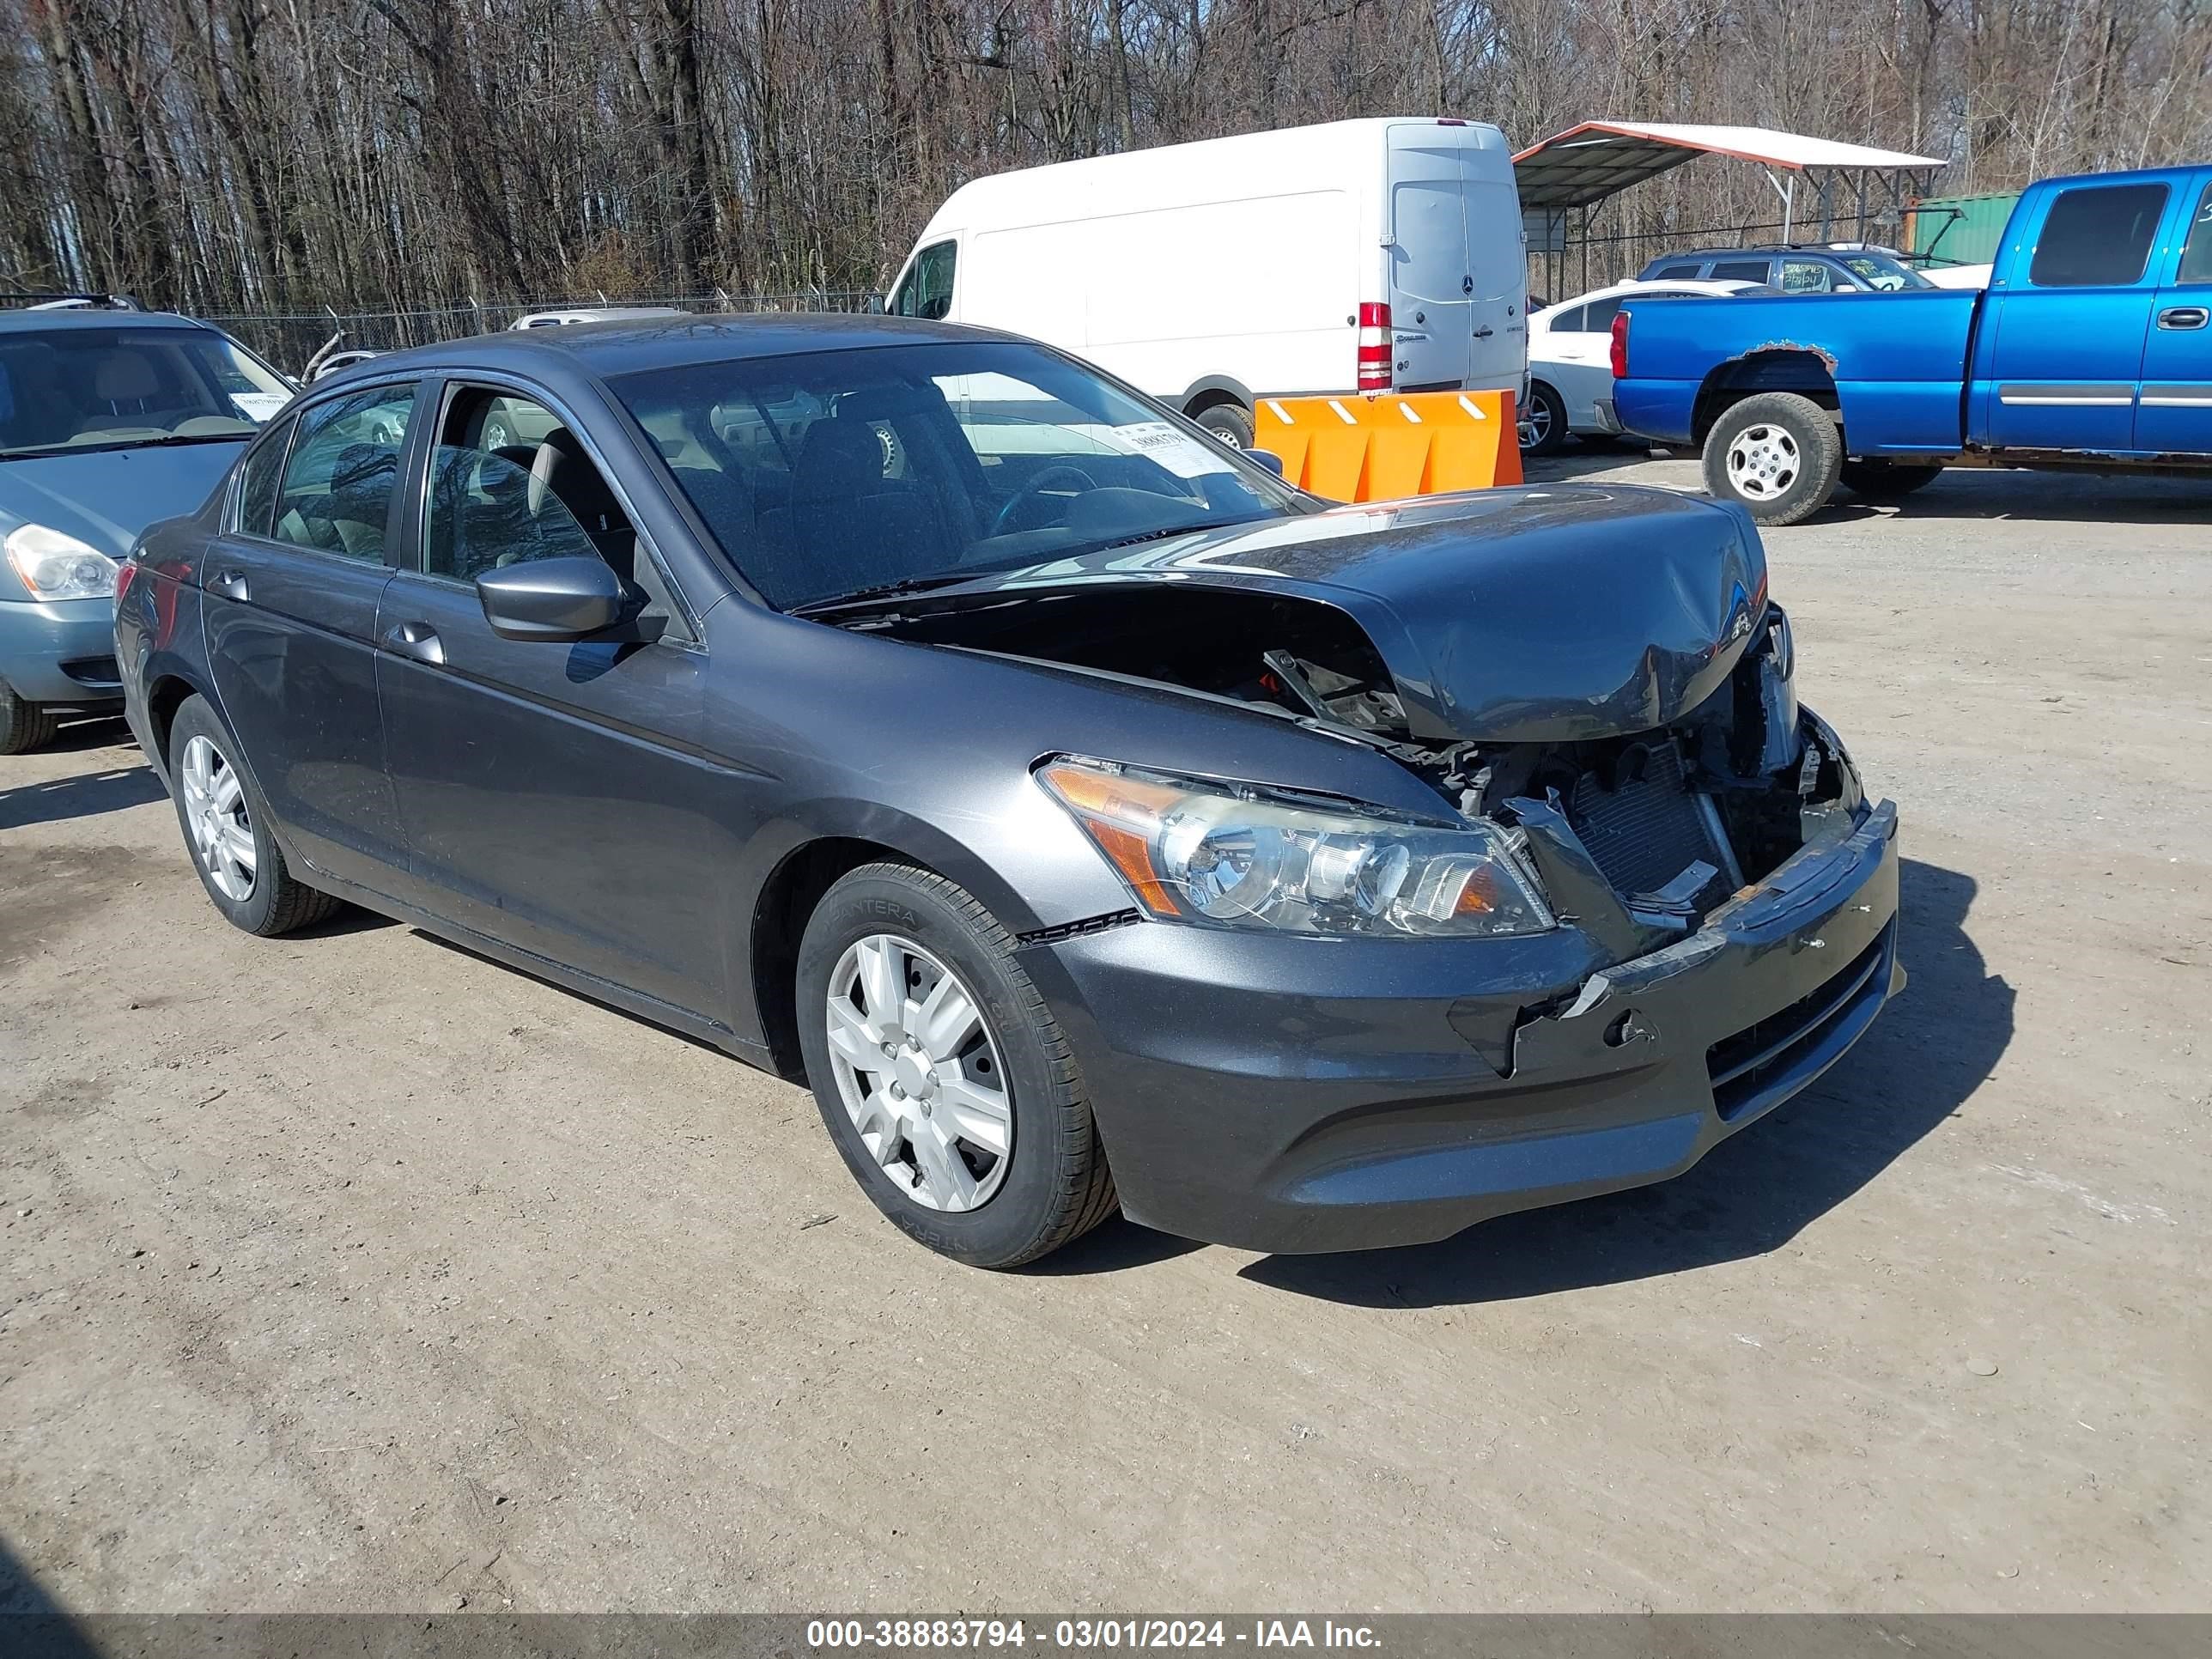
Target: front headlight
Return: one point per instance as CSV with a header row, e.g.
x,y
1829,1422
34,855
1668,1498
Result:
x,y
1246,857
57,567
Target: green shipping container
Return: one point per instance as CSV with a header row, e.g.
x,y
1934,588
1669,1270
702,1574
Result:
x,y
1959,230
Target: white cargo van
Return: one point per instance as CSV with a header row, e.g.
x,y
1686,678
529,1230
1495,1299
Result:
x,y
1355,256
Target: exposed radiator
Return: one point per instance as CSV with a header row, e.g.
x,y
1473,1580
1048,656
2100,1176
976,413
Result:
x,y
1647,829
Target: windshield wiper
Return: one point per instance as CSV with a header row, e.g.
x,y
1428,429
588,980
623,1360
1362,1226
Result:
x,y
1161,535
38,450
898,589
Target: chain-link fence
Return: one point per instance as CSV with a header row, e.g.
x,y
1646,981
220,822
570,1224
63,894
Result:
x,y
290,339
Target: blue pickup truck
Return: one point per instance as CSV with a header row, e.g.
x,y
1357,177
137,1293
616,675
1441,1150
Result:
x,y
2089,348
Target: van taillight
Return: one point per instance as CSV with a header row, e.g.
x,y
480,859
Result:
x,y
1374,348
1621,345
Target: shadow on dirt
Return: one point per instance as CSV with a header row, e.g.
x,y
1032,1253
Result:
x,y
80,795
1924,1058
32,1623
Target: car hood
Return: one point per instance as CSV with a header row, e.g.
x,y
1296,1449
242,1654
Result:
x,y
1549,614
107,497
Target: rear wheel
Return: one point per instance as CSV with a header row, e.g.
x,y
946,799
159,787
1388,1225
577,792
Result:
x,y
1777,455
226,825
1886,481
1544,423
941,1075
24,725
1230,422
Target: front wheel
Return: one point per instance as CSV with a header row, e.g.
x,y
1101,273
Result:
x,y
1230,422
1777,455
941,1075
1543,425
1886,481
24,725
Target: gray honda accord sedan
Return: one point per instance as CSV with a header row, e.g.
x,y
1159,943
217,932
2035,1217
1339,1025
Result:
x,y
1090,819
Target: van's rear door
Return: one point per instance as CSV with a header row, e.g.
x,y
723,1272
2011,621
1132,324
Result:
x,y
1457,267
1429,282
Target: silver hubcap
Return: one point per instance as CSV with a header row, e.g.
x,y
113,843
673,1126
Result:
x,y
1536,424
214,812
1762,462
919,1073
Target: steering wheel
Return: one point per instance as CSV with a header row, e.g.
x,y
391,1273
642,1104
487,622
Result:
x,y
1058,471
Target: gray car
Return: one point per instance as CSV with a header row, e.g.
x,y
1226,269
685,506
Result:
x,y
110,418
1091,819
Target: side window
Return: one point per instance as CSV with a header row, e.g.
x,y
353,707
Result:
x,y
1740,270
1807,277
338,482
509,484
257,483
1676,273
1568,322
2097,236
927,289
1597,318
2197,252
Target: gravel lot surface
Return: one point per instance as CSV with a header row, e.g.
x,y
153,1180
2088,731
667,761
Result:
x,y
352,1271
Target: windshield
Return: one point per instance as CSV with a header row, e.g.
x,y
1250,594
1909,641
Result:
x,y
1879,270
115,388
843,472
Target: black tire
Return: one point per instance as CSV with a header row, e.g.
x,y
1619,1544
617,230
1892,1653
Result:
x,y
1545,430
1794,440
278,901
1056,1185
1886,481
24,725
1230,422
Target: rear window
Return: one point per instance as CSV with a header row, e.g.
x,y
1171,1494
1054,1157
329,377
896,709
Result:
x,y
2097,236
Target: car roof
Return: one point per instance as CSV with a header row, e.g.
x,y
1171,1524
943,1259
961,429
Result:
x,y
1715,285
13,322
602,349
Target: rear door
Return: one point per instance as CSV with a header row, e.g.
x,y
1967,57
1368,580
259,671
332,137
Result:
x,y
2066,350
2174,416
1431,286
293,588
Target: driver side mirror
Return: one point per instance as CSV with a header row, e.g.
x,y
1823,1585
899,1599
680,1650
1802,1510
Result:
x,y
550,599
1266,458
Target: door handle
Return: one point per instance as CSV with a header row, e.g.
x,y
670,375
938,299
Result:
x,y
417,640
230,584
2179,317
1484,332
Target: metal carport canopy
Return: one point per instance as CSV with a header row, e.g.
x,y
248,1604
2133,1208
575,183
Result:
x,y
1587,163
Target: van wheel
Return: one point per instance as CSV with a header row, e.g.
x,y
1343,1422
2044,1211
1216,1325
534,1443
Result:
x,y
1544,423
1777,454
1230,422
24,725
942,1076
1886,481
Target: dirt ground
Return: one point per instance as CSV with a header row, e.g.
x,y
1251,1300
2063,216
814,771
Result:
x,y
350,1271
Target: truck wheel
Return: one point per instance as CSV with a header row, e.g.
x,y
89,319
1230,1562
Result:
x,y
1777,455
1886,481
24,725
1230,422
1544,423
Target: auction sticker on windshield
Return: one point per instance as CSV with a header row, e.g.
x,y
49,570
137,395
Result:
x,y
1158,442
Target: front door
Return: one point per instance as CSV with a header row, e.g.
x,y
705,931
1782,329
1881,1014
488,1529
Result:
x,y
2069,333
293,588
552,793
2174,417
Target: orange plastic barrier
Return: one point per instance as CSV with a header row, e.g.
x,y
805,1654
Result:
x,y
1384,446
